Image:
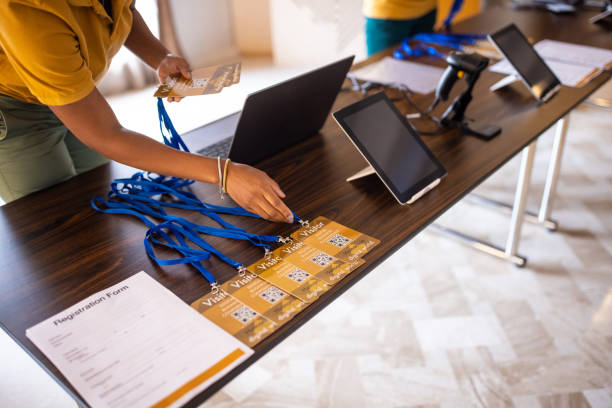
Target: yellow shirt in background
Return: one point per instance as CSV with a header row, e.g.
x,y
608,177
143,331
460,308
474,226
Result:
x,y
397,9
53,52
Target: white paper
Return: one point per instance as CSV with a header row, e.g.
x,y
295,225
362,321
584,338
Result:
x,y
419,78
568,74
573,53
136,344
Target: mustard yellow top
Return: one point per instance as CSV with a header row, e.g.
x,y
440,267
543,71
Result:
x,y
53,52
397,9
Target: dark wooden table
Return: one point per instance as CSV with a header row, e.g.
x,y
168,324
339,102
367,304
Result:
x,y
57,250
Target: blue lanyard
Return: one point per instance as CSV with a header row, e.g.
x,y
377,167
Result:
x,y
456,41
141,209
191,256
174,139
451,14
141,196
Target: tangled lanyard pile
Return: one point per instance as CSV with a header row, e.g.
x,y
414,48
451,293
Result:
x,y
141,196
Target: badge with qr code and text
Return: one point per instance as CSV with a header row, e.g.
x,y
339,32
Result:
x,y
335,239
321,264
300,282
264,298
236,318
204,81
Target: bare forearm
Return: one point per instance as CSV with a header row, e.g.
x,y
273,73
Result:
x,y
136,150
249,187
144,44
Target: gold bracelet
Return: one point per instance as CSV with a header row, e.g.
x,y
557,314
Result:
x,y
225,174
220,177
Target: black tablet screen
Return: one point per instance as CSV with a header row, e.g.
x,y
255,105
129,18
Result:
x,y
525,60
391,145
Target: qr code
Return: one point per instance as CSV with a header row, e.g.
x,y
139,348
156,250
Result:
x,y
322,259
244,314
199,83
272,294
298,275
339,240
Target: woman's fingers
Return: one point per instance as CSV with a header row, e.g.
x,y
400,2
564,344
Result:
x,y
185,70
277,188
280,209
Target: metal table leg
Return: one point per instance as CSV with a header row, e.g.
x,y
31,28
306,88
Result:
x,y
520,197
550,188
510,252
552,177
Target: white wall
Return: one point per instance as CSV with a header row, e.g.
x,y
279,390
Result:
x,y
251,20
314,32
204,29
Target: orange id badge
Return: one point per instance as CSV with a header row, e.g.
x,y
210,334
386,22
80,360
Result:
x,y
292,279
321,264
335,239
264,298
236,318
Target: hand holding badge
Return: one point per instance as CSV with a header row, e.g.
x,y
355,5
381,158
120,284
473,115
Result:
x,y
204,81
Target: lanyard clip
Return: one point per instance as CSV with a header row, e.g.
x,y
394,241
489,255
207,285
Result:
x,y
284,240
241,270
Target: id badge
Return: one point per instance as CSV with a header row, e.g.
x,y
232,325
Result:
x,y
204,81
264,298
321,264
236,318
289,277
335,239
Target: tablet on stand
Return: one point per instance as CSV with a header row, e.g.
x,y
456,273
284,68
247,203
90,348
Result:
x,y
392,148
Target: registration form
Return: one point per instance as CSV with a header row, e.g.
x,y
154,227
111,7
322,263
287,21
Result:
x,y
136,344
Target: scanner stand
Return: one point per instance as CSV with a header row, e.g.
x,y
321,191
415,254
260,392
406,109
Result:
x,y
455,117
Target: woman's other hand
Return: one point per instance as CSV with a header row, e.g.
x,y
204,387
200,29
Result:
x,y
170,65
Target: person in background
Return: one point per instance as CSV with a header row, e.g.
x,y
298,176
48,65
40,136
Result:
x,y
54,123
388,22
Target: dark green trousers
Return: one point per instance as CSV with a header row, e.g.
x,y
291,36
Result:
x,y
381,34
37,150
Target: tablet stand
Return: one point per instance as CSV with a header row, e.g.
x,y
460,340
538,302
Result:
x,y
510,79
368,171
362,173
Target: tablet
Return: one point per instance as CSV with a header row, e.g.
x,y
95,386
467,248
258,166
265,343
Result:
x,y
391,146
531,68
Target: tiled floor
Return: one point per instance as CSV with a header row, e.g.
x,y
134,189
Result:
x,y
438,324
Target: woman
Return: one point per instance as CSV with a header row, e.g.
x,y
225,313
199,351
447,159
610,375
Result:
x,y
55,124
388,22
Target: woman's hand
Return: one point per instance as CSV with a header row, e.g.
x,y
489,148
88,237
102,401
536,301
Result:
x,y
253,190
173,64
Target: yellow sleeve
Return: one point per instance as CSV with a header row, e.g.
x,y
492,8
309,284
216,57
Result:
x,y
45,53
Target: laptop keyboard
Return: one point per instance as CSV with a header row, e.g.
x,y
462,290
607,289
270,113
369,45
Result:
x,y
221,148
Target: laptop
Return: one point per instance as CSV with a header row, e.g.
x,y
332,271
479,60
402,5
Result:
x,y
273,118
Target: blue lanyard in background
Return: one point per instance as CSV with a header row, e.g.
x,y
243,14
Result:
x,y
420,48
417,45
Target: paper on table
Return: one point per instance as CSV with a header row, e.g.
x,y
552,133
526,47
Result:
x,y
574,54
568,74
136,344
419,78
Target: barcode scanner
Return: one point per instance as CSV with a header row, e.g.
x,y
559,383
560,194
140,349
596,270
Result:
x,y
468,66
